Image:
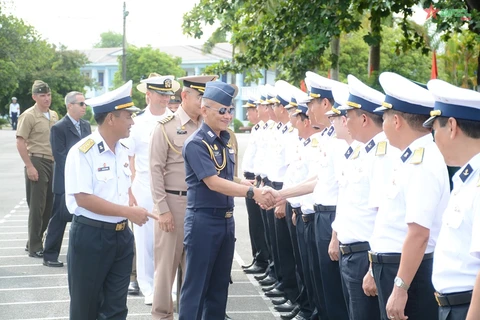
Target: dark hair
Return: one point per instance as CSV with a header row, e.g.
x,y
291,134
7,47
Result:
x,y
377,119
415,121
470,128
100,117
302,116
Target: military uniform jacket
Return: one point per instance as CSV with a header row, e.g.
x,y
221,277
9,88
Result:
x,y
166,162
251,149
206,155
457,254
92,168
417,192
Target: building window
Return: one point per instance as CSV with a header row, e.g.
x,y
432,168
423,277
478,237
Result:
x,y
100,78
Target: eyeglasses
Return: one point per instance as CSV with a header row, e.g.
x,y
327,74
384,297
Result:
x,y
81,104
222,110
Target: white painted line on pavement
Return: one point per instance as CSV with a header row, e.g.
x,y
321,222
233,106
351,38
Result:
x,y
35,276
12,211
27,265
240,261
58,318
20,232
12,248
7,216
36,288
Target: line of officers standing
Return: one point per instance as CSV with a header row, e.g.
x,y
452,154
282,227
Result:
x,y
365,225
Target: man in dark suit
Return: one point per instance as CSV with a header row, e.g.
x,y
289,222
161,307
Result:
x,y
64,134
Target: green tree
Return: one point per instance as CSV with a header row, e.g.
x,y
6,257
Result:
x,y
293,35
109,39
143,61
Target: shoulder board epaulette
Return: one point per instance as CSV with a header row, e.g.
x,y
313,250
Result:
x,y
356,152
417,157
167,119
272,125
139,113
87,145
124,145
314,142
381,148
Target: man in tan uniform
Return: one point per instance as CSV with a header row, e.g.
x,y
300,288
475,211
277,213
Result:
x,y
33,145
169,190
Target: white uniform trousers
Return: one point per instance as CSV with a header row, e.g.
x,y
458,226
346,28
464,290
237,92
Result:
x,y
144,238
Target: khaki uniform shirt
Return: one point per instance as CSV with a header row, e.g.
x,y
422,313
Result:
x,y
34,127
166,162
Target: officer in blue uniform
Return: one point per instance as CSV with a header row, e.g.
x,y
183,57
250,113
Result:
x,y
97,183
209,224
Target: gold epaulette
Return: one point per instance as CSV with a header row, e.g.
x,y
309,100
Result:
x,y
356,152
417,157
381,148
314,142
87,145
167,119
139,113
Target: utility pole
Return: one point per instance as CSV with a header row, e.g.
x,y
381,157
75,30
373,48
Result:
x,y
124,57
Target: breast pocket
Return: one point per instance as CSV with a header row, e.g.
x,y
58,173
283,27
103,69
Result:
x,y
453,217
127,171
104,176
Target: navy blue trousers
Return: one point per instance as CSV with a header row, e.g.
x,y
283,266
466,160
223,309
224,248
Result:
x,y
353,268
99,267
331,282
312,263
453,313
56,228
209,247
421,303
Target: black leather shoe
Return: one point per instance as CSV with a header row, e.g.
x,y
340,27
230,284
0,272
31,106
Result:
x,y
279,301
133,288
246,266
286,307
38,254
261,277
268,281
270,287
274,293
294,314
227,317
54,264
255,269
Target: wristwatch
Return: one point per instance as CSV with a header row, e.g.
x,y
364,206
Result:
x,y
400,283
250,193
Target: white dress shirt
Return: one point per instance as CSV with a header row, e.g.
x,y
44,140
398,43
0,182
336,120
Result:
x,y
139,141
457,255
357,204
261,155
249,154
277,164
97,171
417,192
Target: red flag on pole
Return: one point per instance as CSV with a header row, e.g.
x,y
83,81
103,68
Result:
x,y
434,74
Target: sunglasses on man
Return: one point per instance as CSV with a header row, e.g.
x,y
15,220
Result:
x,y
222,110
81,104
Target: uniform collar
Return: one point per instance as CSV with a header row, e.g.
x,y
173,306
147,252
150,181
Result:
x,y
374,141
420,142
182,115
210,136
39,113
100,143
467,170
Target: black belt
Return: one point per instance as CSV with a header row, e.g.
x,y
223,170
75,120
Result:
x,y
354,247
453,299
297,211
258,180
226,213
391,257
277,185
249,175
320,208
266,181
120,226
308,217
178,193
